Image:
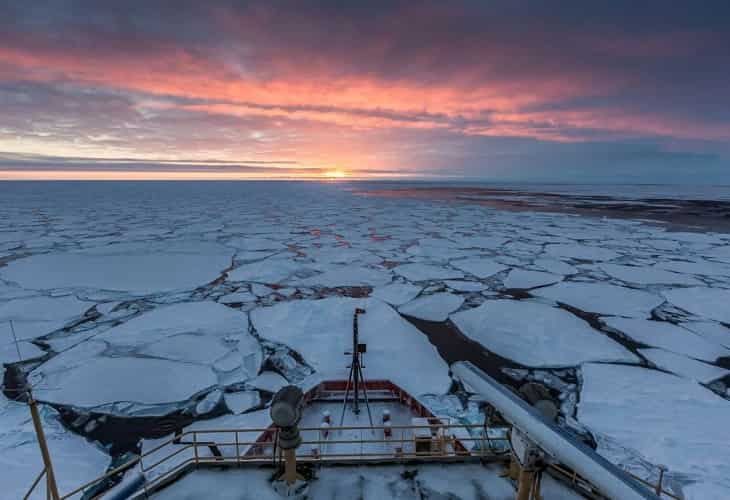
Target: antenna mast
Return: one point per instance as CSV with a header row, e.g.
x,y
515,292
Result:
x,y
356,377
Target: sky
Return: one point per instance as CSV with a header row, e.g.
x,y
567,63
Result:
x,y
568,91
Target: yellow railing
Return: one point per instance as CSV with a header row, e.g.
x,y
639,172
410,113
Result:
x,y
169,458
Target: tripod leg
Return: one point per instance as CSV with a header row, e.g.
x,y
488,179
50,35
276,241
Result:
x,y
365,392
347,392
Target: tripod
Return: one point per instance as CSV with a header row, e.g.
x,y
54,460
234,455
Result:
x,y
356,377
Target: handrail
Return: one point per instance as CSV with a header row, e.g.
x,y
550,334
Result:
x,y
262,451
35,483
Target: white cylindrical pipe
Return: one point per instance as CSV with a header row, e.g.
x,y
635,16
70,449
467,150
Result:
x,y
608,478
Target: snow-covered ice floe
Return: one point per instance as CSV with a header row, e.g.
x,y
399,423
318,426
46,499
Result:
x,y
134,268
38,316
434,307
705,302
602,298
321,331
74,459
667,336
664,419
535,334
163,356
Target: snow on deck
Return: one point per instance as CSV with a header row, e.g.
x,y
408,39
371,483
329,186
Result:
x,y
453,481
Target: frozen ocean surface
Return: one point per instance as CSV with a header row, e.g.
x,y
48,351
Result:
x,y
175,302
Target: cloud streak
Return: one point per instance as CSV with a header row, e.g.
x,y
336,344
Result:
x,y
321,83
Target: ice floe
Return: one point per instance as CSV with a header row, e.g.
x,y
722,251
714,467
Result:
x,y
104,380
239,402
711,331
321,331
602,298
665,419
348,276
397,293
163,356
535,334
75,460
519,278
434,307
647,275
133,268
581,252
427,272
37,316
481,268
268,381
709,303
667,336
684,366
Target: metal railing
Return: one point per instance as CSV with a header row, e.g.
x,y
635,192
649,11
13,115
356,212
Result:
x,y
191,448
175,456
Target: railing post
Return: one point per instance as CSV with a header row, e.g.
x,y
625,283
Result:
x,y
51,488
195,447
658,490
238,453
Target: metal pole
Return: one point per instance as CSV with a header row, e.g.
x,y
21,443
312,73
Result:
x,y
347,393
43,445
290,466
355,365
365,392
525,484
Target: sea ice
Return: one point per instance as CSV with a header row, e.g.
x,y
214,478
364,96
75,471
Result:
x,y
321,331
465,286
647,275
684,366
555,266
239,297
253,244
239,402
37,316
666,419
667,336
75,460
268,381
714,332
480,267
434,307
535,334
348,276
105,380
426,272
709,303
602,298
271,270
9,351
397,293
138,268
581,252
698,266
519,278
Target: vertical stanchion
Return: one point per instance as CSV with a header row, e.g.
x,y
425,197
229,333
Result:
x,y
238,452
658,490
52,488
290,466
195,447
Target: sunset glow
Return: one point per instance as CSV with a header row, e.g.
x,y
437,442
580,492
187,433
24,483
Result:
x,y
384,91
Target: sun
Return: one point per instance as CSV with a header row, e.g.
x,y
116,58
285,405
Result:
x,y
335,174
